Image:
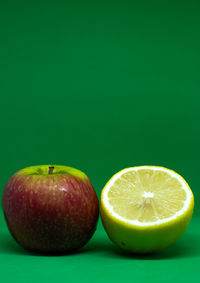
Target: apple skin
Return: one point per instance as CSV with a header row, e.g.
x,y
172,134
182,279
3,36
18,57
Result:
x,y
50,213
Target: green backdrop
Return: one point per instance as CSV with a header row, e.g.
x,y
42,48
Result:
x,y
100,86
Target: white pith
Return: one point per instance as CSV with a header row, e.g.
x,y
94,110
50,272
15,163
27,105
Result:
x,y
147,195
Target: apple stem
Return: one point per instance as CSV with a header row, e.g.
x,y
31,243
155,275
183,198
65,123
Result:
x,y
51,169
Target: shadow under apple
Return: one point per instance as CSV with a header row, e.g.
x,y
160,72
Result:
x,y
188,247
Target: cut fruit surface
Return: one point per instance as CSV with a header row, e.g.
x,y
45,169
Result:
x,y
146,208
147,195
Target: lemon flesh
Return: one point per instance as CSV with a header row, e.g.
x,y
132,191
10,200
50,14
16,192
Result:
x,y
146,208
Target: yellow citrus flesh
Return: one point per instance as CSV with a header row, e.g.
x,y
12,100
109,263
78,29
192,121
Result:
x,y
146,208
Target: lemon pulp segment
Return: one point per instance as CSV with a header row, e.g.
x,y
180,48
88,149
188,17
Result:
x,y
147,195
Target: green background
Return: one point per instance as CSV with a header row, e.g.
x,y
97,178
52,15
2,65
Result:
x,y
100,86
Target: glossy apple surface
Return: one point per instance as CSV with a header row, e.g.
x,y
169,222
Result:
x,y
50,208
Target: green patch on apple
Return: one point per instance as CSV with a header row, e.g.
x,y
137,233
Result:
x,y
52,170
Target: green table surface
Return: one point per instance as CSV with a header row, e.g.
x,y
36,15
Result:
x,y
101,261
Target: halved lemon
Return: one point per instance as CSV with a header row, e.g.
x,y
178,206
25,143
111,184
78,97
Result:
x,y
146,208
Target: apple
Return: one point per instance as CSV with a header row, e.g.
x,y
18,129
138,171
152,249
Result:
x,y
50,208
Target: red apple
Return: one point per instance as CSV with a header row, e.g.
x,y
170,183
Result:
x,y
50,208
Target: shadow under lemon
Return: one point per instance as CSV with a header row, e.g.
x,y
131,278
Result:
x,y
186,247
